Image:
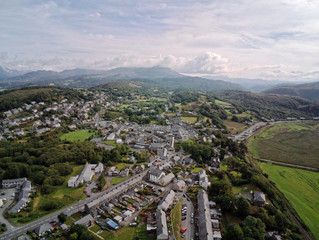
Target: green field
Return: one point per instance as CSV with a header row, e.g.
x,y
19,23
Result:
x,y
295,143
301,188
189,119
78,135
116,180
234,127
124,233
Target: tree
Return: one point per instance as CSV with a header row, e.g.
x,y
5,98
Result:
x,y
243,207
234,232
62,217
280,221
253,228
74,236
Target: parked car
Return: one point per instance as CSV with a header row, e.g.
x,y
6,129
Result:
x,y
183,235
192,215
3,193
183,218
192,220
183,229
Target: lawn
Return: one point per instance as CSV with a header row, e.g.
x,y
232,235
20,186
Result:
x,y
189,119
301,188
124,233
295,143
142,234
110,143
116,180
79,135
196,170
176,219
95,228
120,166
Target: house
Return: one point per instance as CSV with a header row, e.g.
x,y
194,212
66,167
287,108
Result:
x,y
111,137
125,172
99,168
9,183
86,174
215,223
215,162
179,186
46,227
161,225
118,219
113,171
205,230
72,181
167,201
166,179
217,235
259,198
87,221
203,179
156,175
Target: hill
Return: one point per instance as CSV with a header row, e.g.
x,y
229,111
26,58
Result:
x,y
81,78
10,99
270,106
308,91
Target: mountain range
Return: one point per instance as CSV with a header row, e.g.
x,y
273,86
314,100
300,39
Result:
x,y
308,91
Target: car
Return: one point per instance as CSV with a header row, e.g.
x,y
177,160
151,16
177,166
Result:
x,y
192,214
183,218
183,235
183,229
133,224
3,193
192,220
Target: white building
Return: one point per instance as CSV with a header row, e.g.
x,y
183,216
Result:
x,y
156,175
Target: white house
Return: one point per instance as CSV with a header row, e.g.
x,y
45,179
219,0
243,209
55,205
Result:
x,y
156,175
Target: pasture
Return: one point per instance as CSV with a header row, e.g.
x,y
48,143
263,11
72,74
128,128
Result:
x,y
79,135
301,188
295,143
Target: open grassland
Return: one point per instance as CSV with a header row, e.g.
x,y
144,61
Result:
x,y
79,135
189,119
116,180
234,127
124,233
295,143
222,104
301,188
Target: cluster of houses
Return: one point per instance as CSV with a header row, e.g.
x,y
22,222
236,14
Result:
x,y
46,117
24,187
208,218
125,171
86,175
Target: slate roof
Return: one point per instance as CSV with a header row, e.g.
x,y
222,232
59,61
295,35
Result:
x,y
84,220
204,222
161,225
43,228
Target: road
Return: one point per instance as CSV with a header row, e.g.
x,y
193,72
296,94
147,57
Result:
x,y
7,196
190,232
250,131
71,209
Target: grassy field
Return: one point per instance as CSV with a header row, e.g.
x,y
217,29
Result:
x,y
120,166
301,188
189,119
110,143
176,220
234,127
196,170
222,104
295,143
124,233
116,180
78,135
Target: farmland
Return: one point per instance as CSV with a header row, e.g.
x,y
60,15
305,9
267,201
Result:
x,y
301,188
295,143
79,135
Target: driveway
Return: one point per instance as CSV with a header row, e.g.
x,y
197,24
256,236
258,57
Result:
x,y
7,196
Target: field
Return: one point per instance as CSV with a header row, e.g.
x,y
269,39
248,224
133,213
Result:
x,y
116,180
234,127
79,135
301,188
295,143
189,119
124,233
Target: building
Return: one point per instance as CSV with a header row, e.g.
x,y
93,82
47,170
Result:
x,y
86,174
167,201
156,175
10,183
166,179
161,225
87,221
110,223
179,186
23,198
46,227
205,230
203,179
259,198
111,137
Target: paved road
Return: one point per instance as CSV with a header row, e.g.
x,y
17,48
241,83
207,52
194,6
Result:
x,y
250,131
71,209
190,232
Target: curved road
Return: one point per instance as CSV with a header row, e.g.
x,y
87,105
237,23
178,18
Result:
x,y
71,209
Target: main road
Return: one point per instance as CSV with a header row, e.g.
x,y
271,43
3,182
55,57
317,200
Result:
x,y
73,208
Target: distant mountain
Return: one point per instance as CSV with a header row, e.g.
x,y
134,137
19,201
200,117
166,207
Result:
x,y
255,85
270,106
308,91
5,74
81,78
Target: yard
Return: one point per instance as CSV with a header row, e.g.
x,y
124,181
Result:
x,y
79,135
116,180
124,233
196,169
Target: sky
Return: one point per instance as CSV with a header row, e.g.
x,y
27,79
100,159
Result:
x,y
267,39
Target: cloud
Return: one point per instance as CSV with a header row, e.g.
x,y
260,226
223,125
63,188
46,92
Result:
x,y
235,38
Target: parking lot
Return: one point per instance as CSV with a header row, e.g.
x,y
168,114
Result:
x,y
9,200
